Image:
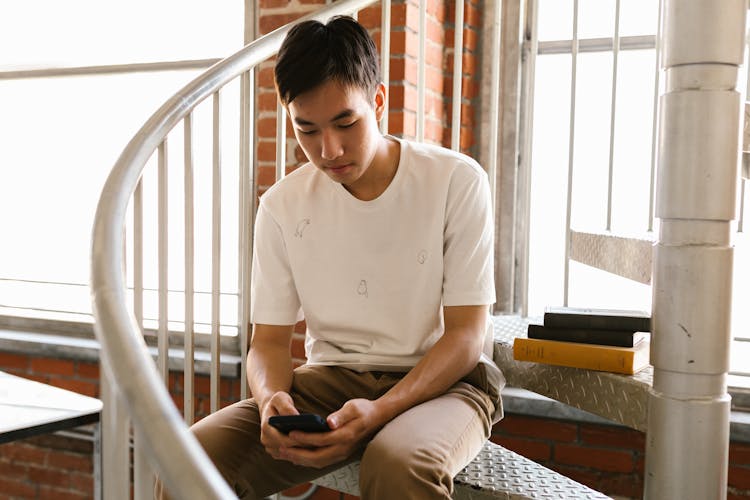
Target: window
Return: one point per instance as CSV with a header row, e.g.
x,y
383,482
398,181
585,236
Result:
x,y
63,129
632,99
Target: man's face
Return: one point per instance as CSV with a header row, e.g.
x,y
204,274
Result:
x,y
337,128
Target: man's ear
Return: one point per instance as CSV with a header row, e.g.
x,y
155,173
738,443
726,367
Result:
x,y
380,100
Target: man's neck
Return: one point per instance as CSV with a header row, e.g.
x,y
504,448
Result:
x,y
381,172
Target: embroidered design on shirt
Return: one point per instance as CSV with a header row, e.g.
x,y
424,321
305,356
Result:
x,y
422,256
362,288
301,226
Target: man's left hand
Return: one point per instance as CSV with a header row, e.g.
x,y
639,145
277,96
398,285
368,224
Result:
x,y
350,426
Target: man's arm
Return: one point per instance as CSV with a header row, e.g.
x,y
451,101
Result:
x,y
452,357
269,375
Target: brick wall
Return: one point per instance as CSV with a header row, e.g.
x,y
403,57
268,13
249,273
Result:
x,y
607,458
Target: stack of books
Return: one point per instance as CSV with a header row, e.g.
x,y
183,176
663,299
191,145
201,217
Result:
x,y
611,340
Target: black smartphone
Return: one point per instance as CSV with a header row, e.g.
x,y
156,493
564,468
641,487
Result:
x,y
307,422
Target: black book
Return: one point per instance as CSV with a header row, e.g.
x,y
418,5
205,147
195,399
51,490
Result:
x,y
618,338
600,319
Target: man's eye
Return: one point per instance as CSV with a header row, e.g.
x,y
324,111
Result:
x,y
347,125
306,132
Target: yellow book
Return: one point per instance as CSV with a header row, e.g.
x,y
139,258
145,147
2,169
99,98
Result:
x,y
627,360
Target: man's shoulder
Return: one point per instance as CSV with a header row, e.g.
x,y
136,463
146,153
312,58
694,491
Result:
x,y
421,154
292,185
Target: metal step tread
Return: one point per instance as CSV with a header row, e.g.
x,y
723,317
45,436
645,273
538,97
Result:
x,y
496,473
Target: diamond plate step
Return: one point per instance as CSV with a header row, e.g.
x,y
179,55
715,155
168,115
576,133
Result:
x,y
496,473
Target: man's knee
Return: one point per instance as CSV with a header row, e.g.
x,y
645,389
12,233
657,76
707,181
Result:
x,y
393,471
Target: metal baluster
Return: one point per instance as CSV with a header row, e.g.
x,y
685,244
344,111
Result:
x,y
248,189
655,120
385,55
494,101
421,68
215,381
613,107
526,136
280,142
458,63
138,253
115,430
163,260
571,150
189,370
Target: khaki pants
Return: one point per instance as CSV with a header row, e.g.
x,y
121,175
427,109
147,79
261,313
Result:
x,y
415,456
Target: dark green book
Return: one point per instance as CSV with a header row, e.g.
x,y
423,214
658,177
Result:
x,y
600,319
617,338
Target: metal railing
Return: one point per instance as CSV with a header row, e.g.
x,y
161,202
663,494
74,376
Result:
x,y
138,405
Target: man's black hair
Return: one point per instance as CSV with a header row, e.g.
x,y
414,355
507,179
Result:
x,y
313,53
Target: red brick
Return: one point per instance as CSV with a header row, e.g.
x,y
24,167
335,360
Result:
x,y
616,437
88,370
51,493
369,17
12,488
43,379
70,462
594,458
268,101
16,361
622,485
267,150
266,127
739,477
265,78
77,386
270,4
471,40
52,366
24,453
534,450
83,483
586,477
10,469
52,477
739,453
270,22
538,428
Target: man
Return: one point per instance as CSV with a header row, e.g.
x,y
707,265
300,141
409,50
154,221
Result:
x,y
384,247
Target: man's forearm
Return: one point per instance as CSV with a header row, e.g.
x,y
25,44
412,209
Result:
x,y
446,363
269,363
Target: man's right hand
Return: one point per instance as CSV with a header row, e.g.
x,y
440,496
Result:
x,y
280,403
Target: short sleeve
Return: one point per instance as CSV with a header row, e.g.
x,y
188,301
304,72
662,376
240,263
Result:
x,y
468,252
274,299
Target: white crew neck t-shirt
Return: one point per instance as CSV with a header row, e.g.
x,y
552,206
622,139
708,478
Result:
x,y
370,277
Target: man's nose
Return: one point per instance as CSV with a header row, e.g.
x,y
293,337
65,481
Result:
x,y
332,147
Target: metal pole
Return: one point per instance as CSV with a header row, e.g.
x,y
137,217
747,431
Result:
x,y
458,52
216,258
571,151
525,140
613,109
385,55
189,334
421,69
688,418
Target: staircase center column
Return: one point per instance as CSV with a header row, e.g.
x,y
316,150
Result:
x,y
688,425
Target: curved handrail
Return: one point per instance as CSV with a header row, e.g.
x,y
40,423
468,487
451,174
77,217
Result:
x,y
179,459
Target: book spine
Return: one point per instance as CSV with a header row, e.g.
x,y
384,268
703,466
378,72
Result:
x,y
586,336
566,320
610,359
